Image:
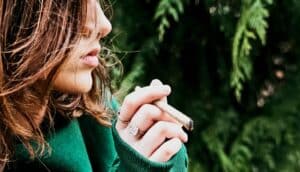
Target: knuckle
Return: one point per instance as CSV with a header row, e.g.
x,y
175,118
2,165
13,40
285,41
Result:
x,y
151,110
129,100
168,152
177,142
172,147
161,127
177,129
146,107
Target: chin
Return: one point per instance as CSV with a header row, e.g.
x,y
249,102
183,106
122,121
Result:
x,y
78,84
84,88
83,85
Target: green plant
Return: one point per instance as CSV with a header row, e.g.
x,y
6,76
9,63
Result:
x,y
251,24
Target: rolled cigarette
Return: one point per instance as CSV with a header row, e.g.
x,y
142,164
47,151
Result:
x,y
176,114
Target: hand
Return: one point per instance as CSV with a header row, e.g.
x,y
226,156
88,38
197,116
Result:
x,y
146,128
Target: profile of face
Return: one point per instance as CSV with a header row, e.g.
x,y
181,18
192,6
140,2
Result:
x,y
75,74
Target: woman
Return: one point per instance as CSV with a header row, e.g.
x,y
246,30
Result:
x,y
55,108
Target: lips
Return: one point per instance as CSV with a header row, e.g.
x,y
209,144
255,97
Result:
x,y
91,59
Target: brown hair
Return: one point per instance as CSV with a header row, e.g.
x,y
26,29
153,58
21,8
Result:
x,y
35,38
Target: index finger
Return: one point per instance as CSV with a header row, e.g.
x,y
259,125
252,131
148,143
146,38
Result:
x,y
142,96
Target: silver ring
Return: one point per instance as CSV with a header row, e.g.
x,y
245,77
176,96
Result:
x,y
135,131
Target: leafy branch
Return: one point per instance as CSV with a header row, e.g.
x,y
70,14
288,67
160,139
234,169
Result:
x,y
252,24
164,10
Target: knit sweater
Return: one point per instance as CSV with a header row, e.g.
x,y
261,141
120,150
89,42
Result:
x,y
82,145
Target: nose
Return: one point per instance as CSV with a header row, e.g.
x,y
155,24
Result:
x,y
104,25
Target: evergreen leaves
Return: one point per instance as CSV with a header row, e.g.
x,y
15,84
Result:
x,y
165,10
252,23
193,58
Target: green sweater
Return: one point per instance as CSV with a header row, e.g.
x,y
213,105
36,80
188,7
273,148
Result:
x,y
82,145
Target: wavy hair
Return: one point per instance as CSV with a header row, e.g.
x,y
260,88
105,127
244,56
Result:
x,y
36,36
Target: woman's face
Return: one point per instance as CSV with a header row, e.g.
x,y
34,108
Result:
x,y
74,75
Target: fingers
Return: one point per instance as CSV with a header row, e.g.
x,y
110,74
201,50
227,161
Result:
x,y
164,99
157,134
166,150
146,127
142,96
158,83
146,116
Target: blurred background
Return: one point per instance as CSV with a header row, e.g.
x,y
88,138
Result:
x,y
233,66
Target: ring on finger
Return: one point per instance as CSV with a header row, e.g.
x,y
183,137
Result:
x,y
122,120
135,131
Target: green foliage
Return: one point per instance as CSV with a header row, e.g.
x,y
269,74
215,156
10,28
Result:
x,y
129,81
258,133
252,22
165,10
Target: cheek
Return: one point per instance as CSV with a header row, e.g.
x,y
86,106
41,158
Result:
x,y
73,77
